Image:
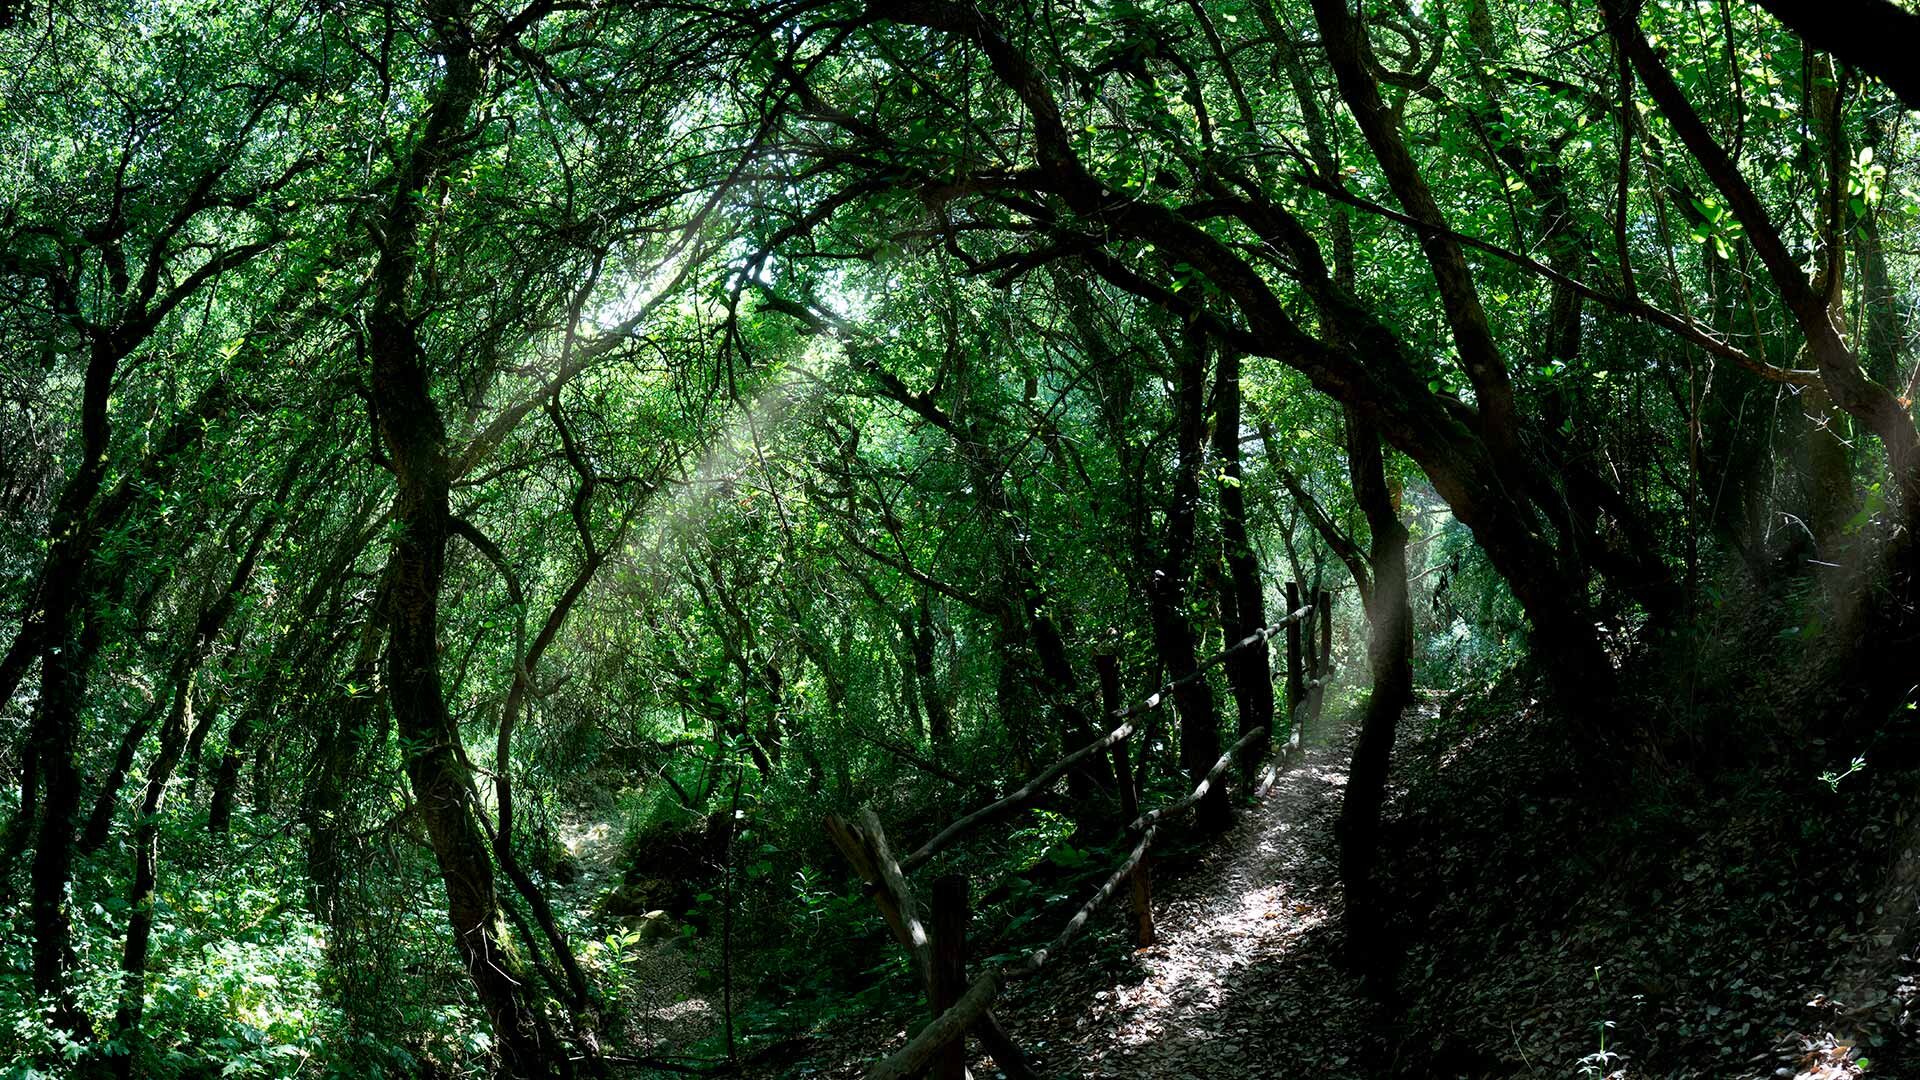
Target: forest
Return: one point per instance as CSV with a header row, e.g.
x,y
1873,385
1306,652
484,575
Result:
x,y
959,538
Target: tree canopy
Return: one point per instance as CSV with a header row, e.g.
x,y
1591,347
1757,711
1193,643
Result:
x,y
438,430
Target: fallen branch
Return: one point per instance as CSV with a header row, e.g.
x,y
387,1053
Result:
x,y
865,848
948,1026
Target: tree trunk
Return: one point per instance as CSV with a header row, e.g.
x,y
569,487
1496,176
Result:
x,y
415,439
107,799
1173,632
62,691
308,646
1882,325
435,765
1296,670
1249,672
344,733
1389,649
146,838
175,731
226,772
932,696
947,967
1018,596
1140,891
21,827
73,638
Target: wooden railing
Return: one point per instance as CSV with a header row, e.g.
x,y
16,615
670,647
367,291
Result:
x,y
940,954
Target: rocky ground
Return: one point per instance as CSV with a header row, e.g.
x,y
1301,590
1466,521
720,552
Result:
x,y
648,966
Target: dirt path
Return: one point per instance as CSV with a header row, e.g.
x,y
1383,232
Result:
x,y
656,982
1244,980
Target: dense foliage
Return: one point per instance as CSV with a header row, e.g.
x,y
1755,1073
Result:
x,y
484,483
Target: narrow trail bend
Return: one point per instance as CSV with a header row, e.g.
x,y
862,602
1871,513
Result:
x,y
1245,976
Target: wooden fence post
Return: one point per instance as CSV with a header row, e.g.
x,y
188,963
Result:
x,y
865,849
1323,611
949,969
1310,641
1320,625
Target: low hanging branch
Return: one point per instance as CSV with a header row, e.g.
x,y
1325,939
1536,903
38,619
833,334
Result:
x,y
1685,327
1033,788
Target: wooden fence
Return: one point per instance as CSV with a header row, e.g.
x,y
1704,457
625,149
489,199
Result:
x,y
939,951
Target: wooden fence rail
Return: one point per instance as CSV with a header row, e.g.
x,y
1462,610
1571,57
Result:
x,y
1046,778
939,958
969,1008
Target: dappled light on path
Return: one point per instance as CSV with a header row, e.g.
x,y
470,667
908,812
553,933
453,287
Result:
x,y
1243,976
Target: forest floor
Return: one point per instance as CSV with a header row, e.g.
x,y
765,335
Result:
x,y
668,1005
1244,979
1541,917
